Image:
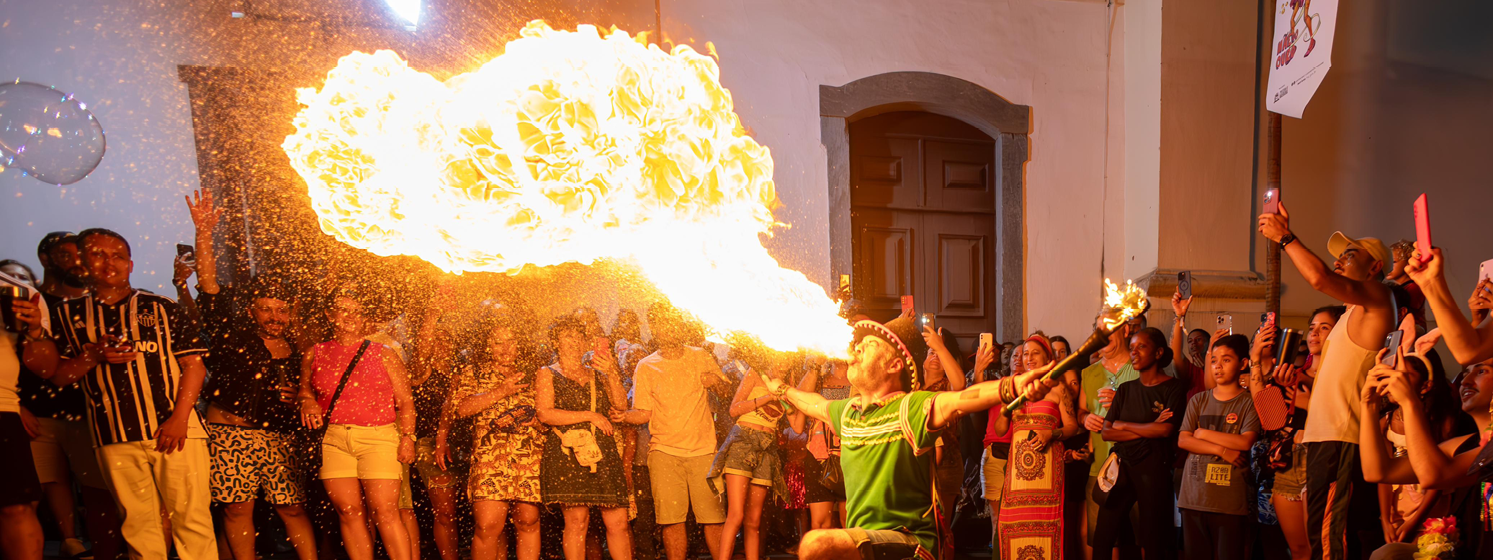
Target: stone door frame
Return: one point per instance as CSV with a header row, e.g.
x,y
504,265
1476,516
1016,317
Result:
x,y
1008,123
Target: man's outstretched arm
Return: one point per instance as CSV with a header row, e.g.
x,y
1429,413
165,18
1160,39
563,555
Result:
x,y
948,406
812,404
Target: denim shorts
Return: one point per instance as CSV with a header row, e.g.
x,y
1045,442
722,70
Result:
x,y
749,453
1291,483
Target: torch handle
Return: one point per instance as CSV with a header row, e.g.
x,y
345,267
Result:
x,y
1096,341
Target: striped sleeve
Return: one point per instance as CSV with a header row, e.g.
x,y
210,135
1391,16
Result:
x,y
62,331
919,409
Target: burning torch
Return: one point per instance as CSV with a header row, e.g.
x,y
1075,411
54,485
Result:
x,y
1120,306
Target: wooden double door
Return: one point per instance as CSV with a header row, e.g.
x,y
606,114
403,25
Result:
x,y
923,201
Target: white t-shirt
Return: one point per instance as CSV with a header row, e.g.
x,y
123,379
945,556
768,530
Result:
x,y
674,391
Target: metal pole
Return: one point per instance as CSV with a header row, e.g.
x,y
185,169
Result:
x,y
1272,181
1265,46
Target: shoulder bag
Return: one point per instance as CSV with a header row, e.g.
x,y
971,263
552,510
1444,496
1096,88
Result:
x,y
314,437
580,443
1109,474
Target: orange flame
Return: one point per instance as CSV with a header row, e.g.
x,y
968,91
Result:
x,y
568,147
1122,305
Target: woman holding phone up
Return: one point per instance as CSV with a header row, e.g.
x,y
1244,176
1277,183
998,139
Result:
x,y
506,451
581,467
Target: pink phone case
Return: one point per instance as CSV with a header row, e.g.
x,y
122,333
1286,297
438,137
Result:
x,y
1272,201
1423,227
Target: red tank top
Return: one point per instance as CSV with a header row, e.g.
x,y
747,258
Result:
x,y
368,399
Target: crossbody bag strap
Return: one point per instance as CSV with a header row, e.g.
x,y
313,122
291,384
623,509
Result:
x,y
326,418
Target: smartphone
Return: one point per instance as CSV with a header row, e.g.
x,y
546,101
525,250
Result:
x,y
1423,227
185,251
1226,322
1184,284
906,304
926,321
987,340
1485,271
1287,346
1271,204
1392,342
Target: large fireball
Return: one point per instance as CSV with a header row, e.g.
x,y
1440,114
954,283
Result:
x,y
568,147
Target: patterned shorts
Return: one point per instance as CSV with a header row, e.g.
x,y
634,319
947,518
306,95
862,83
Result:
x,y
248,462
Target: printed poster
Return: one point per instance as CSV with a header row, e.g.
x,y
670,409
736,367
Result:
x,y
1301,53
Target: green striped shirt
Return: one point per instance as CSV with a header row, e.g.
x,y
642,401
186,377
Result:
x,y
886,450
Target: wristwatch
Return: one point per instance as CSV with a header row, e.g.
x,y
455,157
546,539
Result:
x,y
1287,239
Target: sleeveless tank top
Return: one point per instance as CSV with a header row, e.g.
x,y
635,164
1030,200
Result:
x,y
765,417
368,399
1334,412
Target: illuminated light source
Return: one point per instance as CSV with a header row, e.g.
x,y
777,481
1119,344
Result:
x,y
568,147
408,10
1120,306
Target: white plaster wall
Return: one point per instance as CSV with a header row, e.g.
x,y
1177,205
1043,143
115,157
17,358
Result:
x,y
1142,84
1047,54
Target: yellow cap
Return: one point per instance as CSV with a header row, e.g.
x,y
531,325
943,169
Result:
x,y
1374,247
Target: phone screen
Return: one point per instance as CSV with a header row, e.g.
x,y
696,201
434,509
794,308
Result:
x,y
1184,284
926,321
1272,201
1392,343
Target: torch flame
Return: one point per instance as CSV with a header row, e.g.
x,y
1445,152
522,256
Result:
x,y
1122,305
568,147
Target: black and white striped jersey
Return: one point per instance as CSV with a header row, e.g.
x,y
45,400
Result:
x,y
129,402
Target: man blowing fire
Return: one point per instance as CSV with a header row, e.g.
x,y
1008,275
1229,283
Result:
x,y
887,435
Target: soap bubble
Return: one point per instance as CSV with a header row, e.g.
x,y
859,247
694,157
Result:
x,y
47,133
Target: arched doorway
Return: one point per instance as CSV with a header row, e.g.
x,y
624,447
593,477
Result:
x,y
926,176
922,211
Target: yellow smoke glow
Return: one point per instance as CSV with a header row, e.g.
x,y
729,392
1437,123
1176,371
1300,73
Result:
x,y
1122,305
568,147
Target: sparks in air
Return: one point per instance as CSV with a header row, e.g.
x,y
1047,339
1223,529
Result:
x,y
568,147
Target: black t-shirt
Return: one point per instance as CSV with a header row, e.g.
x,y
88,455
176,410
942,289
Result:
x,y
1137,403
430,399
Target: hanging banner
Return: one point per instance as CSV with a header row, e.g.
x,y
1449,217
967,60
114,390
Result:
x,y
1302,53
